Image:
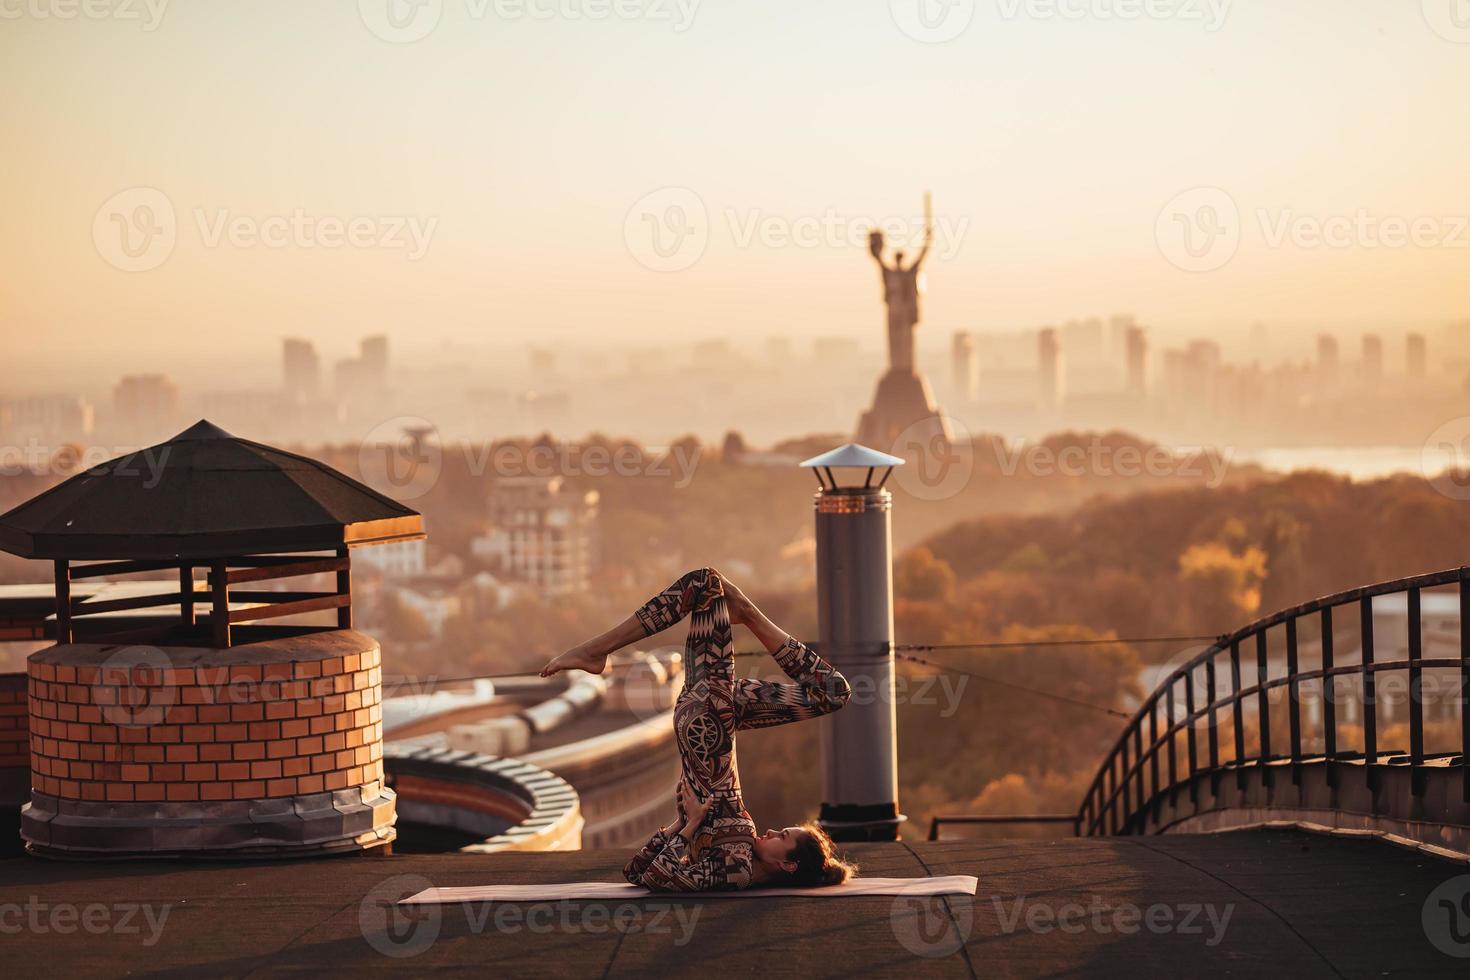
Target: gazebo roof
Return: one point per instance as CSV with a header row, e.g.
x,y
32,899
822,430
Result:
x,y
204,494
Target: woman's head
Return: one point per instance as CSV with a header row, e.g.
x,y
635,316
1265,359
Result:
x,y
802,856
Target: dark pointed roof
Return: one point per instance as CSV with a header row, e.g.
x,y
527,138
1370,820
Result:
x,y
204,494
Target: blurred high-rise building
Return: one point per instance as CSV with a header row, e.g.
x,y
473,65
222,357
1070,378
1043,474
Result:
x,y
543,361
374,353
1416,357
367,374
300,369
1328,360
1135,346
1372,359
48,418
1049,353
963,364
145,406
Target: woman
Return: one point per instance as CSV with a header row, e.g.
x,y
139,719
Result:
x,y
712,845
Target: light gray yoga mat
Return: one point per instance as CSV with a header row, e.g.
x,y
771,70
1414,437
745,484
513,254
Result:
x,y
580,891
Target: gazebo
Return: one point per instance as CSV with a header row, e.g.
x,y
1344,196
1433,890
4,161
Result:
x,y
243,511
157,732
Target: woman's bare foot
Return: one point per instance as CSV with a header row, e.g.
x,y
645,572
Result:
x,y
742,610
580,657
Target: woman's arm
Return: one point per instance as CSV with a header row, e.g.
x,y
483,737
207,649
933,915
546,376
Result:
x,y
726,865
820,688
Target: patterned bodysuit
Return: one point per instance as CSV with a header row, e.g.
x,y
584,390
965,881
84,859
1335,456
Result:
x,y
712,707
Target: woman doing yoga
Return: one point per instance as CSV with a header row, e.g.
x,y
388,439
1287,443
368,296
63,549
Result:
x,y
712,845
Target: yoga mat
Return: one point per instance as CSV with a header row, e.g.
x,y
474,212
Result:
x,y
579,891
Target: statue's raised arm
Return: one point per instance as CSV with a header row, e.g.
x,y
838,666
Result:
x,y
928,231
875,245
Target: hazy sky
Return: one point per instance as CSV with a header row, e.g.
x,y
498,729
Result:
x,y
520,141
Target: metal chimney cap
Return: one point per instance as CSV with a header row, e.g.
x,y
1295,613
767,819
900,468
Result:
x,y
853,454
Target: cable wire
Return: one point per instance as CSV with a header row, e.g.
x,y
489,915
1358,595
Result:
x,y
903,651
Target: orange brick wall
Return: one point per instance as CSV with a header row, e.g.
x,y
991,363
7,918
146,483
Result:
x,y
246,731
13,729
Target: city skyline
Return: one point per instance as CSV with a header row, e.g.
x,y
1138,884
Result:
x,y
478,210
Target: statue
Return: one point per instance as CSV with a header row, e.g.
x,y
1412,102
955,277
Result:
x,y
903,411
901,292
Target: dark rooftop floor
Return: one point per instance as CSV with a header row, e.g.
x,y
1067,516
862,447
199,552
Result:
x,y
1297,905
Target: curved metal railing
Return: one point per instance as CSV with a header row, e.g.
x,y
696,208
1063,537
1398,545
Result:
x,y
1147,762
1134,773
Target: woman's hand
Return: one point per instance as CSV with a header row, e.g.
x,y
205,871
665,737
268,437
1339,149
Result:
x,y
695,809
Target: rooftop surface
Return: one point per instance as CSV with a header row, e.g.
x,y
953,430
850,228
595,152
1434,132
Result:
x,y
1260,903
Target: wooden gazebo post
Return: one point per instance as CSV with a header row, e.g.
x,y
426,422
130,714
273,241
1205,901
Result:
x,y
219,615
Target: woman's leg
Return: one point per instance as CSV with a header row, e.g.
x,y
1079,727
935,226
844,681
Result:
x,y
704,715
820,688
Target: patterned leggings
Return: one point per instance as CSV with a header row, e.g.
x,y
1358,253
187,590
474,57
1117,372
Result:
x,y
709,711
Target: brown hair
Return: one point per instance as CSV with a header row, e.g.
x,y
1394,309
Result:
x,y
817,863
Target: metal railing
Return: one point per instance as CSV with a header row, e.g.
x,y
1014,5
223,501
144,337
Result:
x,y
1147,764
1135,774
